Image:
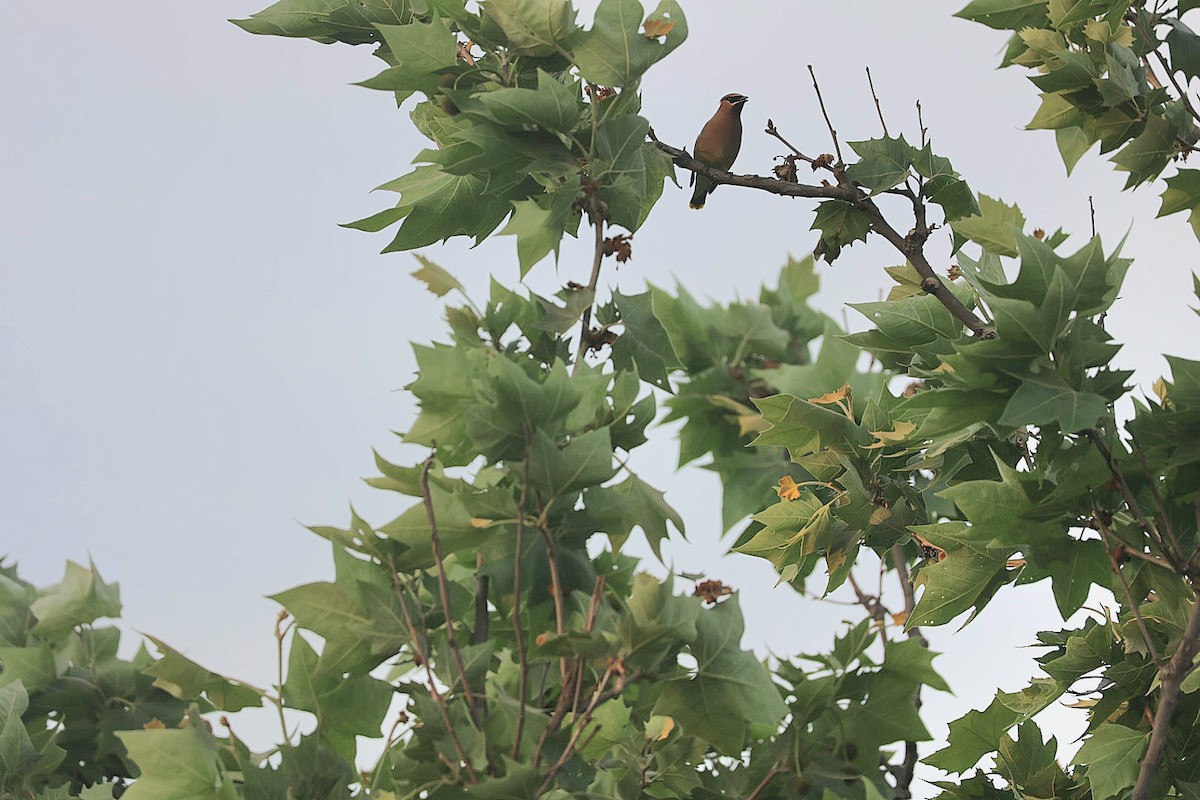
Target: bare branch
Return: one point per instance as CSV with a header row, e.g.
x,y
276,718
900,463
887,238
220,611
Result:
x,y
910,248
771,130
878,108
837,148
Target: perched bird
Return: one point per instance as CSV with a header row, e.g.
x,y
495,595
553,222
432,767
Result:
x,y
718,144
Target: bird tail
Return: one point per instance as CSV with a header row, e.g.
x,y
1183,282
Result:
x,y
703,187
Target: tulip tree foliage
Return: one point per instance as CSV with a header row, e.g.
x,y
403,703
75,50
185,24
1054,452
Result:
x,y
493,642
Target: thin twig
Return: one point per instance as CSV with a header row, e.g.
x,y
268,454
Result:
x,y
423,654
766,778
522,656
586,322
1114,559
1171,676
878,108
837,148
479,633
1165,518
579,725
1130,500
281,631
444,588
1092,209
771,130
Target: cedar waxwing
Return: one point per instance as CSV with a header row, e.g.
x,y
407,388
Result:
x,y
718,143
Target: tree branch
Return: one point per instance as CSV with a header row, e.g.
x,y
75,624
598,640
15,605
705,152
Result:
x,y
1171,676
519,632
910,248
444,590
422,654
586,321
904,773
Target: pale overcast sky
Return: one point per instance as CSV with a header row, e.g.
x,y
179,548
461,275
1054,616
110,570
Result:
x,y
195,359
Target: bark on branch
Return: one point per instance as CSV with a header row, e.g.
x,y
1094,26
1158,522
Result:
x,y
909,246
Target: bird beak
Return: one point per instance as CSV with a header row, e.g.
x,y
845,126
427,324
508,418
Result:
x,y
738,100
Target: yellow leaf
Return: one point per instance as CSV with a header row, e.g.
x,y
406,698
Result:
x,y
1160,389
658,26
899,617
659,727
880,514
751,423
480,522
833,397
899,433
787,488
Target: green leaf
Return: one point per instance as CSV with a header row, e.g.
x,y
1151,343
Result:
x,y
179,764
620,168
1112,755
995,228
437,205
345,707
553,106
183,678
972,737
914,320
540,223
435,278
1072,144
632,503
804,427
617,50
1182,192
33,665
1045,397
1146,156
1055,113
840,224
1006,14
456,531
643,343
885,163
1184,45
731,696
16,749
328,21
421,50
81,597
533,27
960,579
913,660
585,461
953,195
